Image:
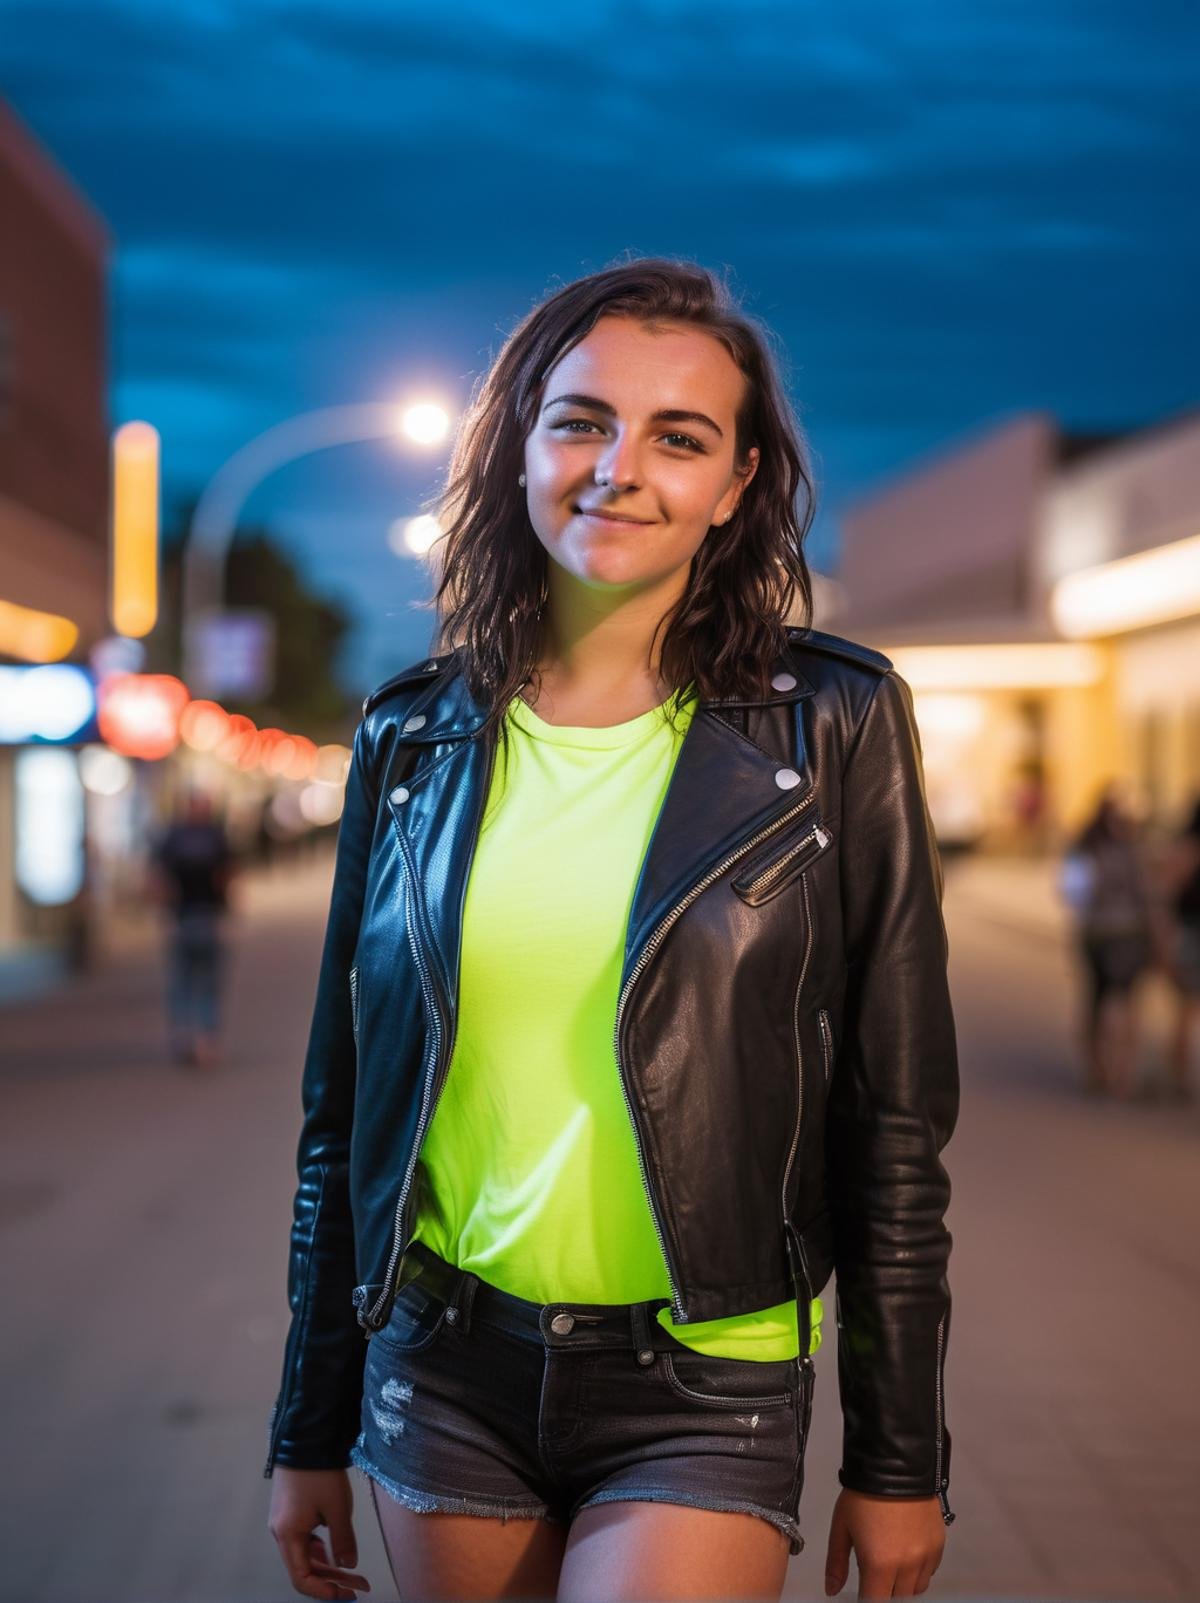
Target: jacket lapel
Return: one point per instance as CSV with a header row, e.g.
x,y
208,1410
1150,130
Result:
x,y
723,791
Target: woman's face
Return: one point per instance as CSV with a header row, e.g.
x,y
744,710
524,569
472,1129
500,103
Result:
x,y
621,495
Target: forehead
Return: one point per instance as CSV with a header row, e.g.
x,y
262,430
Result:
x,y
622,361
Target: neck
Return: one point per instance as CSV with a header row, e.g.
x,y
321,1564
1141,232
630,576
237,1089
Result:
x,y
600,644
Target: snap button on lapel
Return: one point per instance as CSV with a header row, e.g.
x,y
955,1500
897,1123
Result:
x,y
784,681
416,722
400,794
431,667
786,778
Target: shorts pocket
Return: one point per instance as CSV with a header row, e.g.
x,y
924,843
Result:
x,y
416,1319
729,1382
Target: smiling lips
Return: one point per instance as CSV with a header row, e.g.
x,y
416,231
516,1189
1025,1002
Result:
x,y
608,517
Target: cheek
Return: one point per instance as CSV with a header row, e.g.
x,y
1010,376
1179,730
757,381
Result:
x,y
550,469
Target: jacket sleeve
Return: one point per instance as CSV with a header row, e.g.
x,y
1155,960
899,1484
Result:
x,y
892,1108
315,1419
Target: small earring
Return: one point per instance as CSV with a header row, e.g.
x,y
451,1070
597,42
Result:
x,y
521,481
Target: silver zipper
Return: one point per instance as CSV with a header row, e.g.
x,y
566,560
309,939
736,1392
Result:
x,y
768,875
432,1073
947,1515
826,1041
354,1003
787,1172
267,1467
644,957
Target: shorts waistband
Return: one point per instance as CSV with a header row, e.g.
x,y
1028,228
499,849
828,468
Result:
x,y
554,1324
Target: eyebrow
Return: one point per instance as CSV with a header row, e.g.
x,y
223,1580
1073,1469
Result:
x,y
664,415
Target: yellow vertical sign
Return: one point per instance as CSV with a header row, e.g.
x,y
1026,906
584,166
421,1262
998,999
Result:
x,y
134,566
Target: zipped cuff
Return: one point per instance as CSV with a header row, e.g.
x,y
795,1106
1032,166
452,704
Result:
x,y
853,1484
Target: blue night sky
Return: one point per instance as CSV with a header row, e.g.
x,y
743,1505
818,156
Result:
x,y
948,213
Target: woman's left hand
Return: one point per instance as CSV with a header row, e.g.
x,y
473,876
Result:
x,y
897,1541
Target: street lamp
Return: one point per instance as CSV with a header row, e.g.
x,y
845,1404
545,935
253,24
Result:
x,y
215,518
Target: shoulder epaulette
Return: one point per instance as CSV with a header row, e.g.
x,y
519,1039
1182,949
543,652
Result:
x,y
839,646
416,674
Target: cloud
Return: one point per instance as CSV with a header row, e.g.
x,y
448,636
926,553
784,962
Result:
x,y
944,212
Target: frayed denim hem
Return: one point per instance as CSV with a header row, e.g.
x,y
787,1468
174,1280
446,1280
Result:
x,y
504,1508
725,1505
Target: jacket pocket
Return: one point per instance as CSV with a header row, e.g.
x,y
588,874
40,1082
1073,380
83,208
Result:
x,y
769,873
826,1041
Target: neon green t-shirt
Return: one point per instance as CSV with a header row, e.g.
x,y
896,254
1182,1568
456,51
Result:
x,y
528,1174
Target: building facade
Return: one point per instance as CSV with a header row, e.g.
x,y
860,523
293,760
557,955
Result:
x,y
54,477
1041,592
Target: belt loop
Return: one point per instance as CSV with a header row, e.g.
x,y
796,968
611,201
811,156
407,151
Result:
x,y
640,1326
461,1299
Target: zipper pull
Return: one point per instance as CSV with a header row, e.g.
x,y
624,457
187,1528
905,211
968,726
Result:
x,y
948,1517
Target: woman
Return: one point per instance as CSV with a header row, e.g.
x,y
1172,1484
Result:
x,y
1105,881
625,1041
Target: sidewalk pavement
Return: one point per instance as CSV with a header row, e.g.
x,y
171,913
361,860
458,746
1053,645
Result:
x,y
146,1210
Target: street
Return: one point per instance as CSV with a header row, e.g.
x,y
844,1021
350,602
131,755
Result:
x,y
146,1208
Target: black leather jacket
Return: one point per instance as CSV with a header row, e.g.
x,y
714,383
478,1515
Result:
x,y
785,951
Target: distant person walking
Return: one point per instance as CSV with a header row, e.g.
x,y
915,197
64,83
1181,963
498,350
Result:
x,y
1182,873
195,866
1104,880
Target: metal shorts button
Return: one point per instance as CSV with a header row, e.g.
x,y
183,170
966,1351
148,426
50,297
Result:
x,y
646,1356
562,1324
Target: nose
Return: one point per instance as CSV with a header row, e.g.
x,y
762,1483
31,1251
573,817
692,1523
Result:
x,y
617,467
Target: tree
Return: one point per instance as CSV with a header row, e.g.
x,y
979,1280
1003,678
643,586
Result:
x,y
309,631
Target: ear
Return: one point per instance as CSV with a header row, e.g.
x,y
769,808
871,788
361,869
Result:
x,y
747,473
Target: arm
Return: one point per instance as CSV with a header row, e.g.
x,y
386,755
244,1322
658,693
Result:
x,y
893,1105
315,1420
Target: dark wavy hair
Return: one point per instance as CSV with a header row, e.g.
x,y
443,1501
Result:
x,y
728,628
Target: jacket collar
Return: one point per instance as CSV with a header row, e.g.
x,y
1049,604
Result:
x,y
447,710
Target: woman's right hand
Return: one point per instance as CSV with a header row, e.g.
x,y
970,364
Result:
x,y
302,1499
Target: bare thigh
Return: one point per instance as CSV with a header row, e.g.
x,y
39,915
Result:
x,y
468,1558
630,1552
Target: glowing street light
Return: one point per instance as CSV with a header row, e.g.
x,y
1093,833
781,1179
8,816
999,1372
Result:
x,y
414,537
425,423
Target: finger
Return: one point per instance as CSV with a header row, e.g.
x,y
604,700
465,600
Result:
x,y
905,1584
340,1577
339,1574
875,1581
295,1550
837,1557
341,1538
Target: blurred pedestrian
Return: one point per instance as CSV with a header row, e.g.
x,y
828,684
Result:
x,y
1182,875
1104,880
195,866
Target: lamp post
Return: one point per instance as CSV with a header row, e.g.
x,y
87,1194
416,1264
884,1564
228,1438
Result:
x,y
214,520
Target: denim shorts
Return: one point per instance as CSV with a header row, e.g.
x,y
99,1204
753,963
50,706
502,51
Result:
x,y
479,1402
